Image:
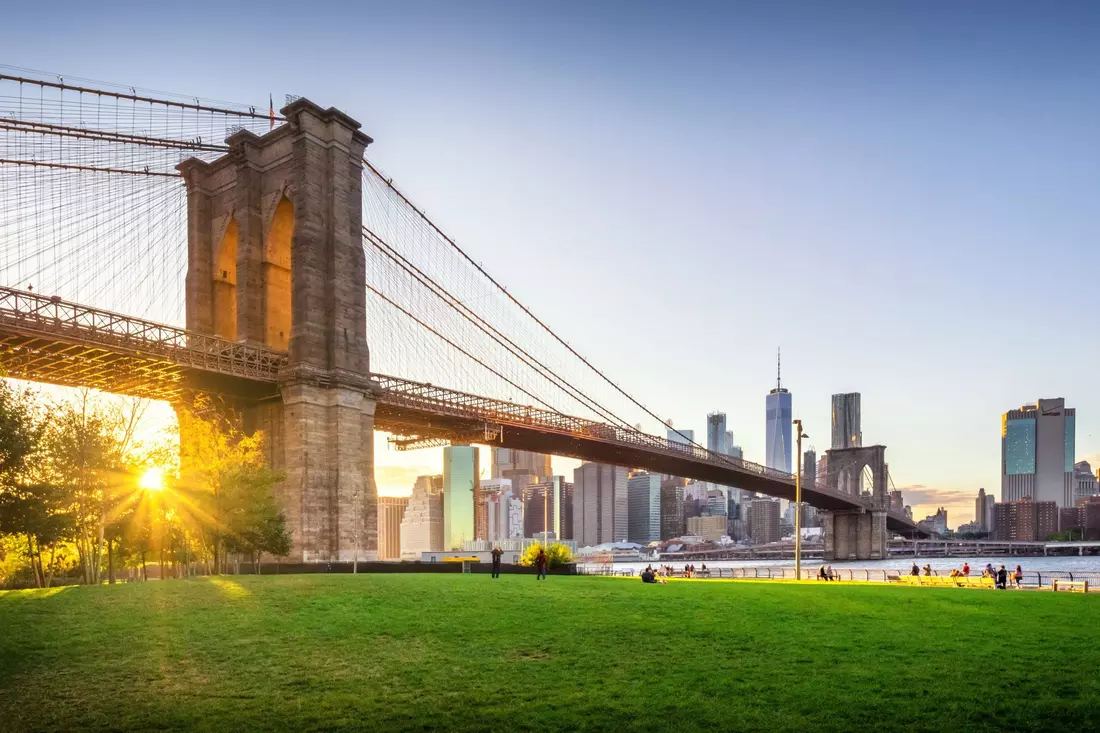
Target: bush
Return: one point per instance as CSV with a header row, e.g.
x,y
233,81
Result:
x,y
557,555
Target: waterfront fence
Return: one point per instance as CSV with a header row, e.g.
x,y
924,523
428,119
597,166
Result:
x,y
1031,579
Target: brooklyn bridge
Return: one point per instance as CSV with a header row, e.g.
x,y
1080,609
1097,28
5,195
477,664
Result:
x,y
163,247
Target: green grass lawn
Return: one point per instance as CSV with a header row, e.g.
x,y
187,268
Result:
x,y
454,652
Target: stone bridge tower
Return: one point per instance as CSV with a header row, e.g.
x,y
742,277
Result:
x,y
857,534
275,259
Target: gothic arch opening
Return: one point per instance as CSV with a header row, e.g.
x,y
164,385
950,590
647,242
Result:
x,y
225,284
866,481
276,273
848,481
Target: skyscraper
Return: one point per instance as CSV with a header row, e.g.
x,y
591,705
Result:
x,y
422,525
765,521
462,505
778,426
643,492
846,421
599,504
983,511
686,437
510,463
1083,479
716,433
497,496
672,507
809,467
391,510
1037,453
548,507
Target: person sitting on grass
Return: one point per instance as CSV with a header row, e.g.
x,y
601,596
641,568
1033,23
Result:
x,y
648,576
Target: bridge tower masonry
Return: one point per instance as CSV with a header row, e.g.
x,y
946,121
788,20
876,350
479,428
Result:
x,y
275,259
857,534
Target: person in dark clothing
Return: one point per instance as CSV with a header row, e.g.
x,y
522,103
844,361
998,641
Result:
x,y
497,552
915,570
1002,578
540,565
648,576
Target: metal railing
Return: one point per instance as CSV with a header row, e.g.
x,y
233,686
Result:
x,y
1031,578
35,316
432,398
50,318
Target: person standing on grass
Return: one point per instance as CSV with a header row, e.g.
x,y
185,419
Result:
x,y
540,565
1018,576
1002,578
497,552
966,569
914,571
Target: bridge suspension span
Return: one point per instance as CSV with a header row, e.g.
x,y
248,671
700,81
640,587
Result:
x,y
108,196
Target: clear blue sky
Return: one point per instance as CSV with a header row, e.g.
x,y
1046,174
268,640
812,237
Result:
x,y
901,195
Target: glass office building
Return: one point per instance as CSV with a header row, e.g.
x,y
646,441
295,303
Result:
x,y
461,495
779,430
1037,453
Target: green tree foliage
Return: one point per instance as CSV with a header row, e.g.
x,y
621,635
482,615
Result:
x,y
86,449
225,473
557,555
31,513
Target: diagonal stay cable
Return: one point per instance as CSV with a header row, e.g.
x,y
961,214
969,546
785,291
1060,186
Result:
x,y
487,328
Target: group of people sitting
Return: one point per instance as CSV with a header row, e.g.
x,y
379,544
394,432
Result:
x,y
658,575
827,573
1000,577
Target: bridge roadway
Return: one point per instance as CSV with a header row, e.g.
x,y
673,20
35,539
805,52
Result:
x,y
46,339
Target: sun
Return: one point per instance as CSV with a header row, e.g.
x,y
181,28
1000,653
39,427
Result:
x,y
153,479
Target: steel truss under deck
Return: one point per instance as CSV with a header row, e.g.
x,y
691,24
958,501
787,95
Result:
x,y
47,339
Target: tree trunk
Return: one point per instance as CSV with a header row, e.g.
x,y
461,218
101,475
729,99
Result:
x,y
97,553
110,561
144,568
35,566
49,576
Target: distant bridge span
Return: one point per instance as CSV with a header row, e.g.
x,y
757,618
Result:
x,y
46,339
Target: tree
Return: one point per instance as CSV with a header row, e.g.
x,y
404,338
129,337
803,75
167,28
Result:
x,y
557,555
225,476
34,513
86,446
28,510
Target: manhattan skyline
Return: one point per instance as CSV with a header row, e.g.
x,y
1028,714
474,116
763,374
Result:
x,y
886,234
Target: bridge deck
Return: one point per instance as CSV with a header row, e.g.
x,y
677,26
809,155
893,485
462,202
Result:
x,y
46,339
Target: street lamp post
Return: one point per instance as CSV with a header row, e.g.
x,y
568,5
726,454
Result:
x,y
798,505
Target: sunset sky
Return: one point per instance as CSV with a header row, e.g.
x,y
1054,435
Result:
x,y
900,195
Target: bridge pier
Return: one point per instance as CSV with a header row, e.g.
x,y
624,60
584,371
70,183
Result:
x,y
854,535
275,259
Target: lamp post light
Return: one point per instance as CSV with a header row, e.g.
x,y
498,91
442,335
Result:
x,y
798,505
